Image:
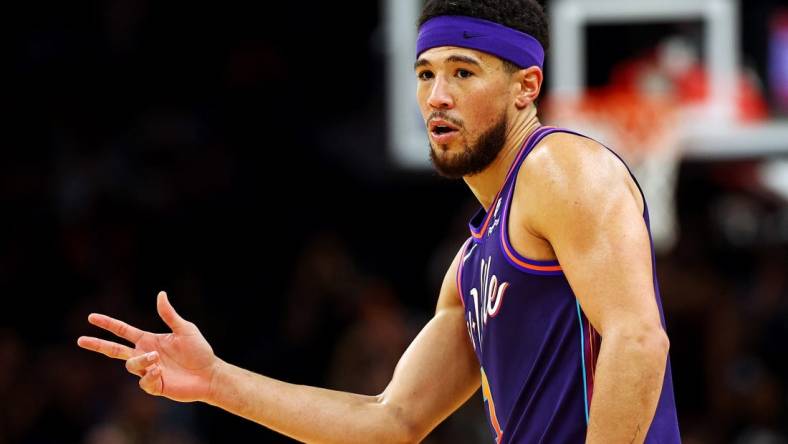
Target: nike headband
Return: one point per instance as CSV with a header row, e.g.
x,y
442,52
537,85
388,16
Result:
x,y
506,43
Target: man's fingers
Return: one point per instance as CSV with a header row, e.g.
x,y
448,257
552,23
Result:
x,y
109,348
119,328
169,315
152,382
137,364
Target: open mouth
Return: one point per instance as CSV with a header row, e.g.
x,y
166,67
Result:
x,y
442,130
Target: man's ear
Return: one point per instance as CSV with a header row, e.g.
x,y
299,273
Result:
x,y
529,85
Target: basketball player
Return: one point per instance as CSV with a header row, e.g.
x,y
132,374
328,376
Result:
x,y
551,305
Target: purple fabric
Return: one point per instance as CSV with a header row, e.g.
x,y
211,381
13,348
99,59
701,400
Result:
x,y
454,30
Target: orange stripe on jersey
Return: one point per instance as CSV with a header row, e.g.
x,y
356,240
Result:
x,y
487,220
526,264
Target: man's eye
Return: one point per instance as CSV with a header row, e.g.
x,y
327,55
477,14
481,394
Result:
x,y
425,75
463,73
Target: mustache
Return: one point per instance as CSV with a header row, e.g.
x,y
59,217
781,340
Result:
x,y
442,115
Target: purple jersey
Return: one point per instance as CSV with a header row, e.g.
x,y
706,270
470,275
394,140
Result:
x,y
536,347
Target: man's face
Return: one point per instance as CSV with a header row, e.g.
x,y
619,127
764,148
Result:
x,y
463,95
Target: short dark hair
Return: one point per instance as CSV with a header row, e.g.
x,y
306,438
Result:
x,y
523,15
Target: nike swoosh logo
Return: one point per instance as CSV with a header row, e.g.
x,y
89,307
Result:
x,y
465,258
468,35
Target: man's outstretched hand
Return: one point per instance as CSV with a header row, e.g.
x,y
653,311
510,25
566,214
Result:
x,y
177,365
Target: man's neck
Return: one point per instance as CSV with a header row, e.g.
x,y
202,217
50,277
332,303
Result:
x,y
485,185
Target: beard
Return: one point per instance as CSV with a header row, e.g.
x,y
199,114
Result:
x,y
473,159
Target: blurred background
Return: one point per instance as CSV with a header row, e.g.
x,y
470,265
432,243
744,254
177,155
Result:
x,y
245,158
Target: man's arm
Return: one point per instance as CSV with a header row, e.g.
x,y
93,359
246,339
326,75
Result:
x,y
435,376
585,205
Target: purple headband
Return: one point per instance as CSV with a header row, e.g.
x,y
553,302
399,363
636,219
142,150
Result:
x,y
456,30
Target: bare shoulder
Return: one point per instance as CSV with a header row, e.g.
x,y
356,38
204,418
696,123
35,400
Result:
x,y
566,159
572,176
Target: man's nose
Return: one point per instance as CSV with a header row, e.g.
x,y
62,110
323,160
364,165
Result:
x,y
440,96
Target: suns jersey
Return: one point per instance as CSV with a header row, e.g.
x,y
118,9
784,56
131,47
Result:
x,y
536,347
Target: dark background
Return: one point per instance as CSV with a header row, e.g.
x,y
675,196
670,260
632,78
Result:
x,y
232,154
